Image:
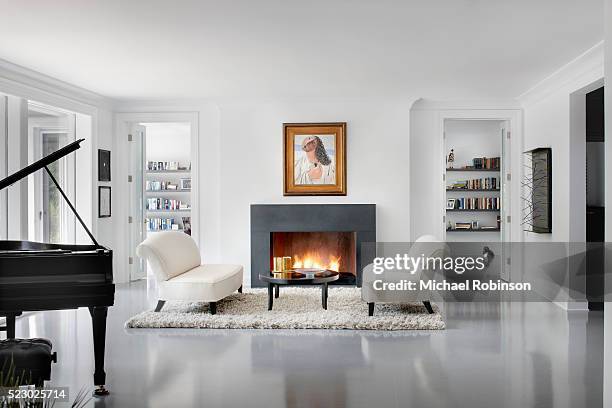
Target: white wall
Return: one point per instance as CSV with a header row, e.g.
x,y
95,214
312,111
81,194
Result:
x,y
104,228
241,163
548,116
167,141
428,157
554,117
472,138
252,165
23,83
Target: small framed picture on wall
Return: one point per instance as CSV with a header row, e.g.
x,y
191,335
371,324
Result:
x,y
104,202
104,165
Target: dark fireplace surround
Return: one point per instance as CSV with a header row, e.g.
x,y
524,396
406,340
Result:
x,y
324,229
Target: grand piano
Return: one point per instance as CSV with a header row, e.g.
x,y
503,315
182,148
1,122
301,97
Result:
x,y
36,276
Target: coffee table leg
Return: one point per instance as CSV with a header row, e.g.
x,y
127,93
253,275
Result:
x,y
270,295
324,295
276,291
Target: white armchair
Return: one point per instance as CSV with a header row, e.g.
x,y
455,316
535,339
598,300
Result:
x,y
176,263
426,245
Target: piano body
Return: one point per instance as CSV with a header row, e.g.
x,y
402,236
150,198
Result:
x,y
37,276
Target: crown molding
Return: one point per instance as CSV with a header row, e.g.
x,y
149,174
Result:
x,y
24,82
590,61
456,104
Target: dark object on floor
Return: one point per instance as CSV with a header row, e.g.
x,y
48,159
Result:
x,y
40,276
299,277
26,361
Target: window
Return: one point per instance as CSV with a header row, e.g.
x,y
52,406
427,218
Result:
x,y
50,218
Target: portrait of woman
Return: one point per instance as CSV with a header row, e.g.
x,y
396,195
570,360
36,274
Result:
x,y
314,163
315,158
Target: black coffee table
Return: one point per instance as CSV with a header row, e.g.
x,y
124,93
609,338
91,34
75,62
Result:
x,y
299,277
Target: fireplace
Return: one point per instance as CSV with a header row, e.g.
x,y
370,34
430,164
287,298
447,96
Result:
x,y
334,250
328,236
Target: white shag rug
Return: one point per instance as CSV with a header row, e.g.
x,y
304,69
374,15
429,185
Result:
x,y
296,308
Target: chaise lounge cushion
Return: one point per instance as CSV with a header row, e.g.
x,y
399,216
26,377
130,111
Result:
x,y
170,254
205,283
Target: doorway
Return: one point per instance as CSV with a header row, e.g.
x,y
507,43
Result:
x,y
477,189
161,198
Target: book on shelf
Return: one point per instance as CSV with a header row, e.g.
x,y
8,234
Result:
x,y
158,203
485,183
167,166
477,203
160,185
463,225
187,225
161,224
486,162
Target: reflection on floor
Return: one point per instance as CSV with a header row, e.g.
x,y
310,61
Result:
x,y
502,355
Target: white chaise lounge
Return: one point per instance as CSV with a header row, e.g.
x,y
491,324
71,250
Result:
x,y
176,263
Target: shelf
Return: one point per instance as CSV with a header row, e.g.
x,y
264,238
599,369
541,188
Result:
x,y
180,230
471,189
474,230
495,170
168,191
168,211
167,171
462,210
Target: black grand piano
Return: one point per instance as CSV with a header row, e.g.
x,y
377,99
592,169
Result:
x,y
37,276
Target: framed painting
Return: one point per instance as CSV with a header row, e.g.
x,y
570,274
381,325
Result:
x,y
104,201
104,169
314,158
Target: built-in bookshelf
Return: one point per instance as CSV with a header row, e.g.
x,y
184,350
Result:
x,y
167,196
472,183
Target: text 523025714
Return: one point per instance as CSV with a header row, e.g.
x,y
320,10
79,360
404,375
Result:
x,y
29,393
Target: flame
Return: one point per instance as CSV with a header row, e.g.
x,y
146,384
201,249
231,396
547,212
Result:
x,y
313,260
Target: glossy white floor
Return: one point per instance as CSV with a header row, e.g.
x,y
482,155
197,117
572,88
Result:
x,y
503,355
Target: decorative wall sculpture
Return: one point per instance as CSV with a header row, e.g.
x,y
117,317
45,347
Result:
x,y
537,191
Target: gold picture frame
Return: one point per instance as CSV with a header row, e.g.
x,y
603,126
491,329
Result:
x,y
314,159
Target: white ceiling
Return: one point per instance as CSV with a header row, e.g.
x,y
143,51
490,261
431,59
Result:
x,y
157,49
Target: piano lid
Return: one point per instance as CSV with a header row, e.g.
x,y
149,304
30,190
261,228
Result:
x,y
37,165
42,164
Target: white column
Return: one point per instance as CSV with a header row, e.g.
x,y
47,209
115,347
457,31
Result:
x,y
3,169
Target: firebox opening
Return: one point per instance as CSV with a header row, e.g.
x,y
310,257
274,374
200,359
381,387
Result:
x,y
325,250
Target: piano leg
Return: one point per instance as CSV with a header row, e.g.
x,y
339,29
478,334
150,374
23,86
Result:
x,y
10,326
98,319
10,323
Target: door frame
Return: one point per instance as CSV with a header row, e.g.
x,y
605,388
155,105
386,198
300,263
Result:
x,y
510,230
513,118
121,171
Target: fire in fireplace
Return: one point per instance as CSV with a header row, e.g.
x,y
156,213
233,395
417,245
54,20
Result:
x,y
315,260
323,250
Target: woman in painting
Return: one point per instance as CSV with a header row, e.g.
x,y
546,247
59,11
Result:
x,y
314,166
